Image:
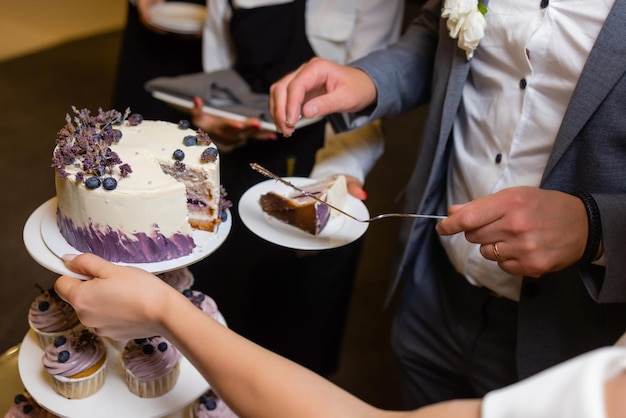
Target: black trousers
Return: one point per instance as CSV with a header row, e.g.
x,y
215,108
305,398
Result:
x,y
452,339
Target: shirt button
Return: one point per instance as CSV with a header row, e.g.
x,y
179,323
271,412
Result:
x,y
522,83
544,3
498,158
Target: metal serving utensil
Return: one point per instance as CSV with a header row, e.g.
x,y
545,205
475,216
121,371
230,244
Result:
x,y
269,174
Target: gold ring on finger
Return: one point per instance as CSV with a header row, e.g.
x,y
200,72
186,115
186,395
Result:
x,y
496,253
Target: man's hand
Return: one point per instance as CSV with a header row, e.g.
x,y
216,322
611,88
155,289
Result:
x,y
318,88
527,230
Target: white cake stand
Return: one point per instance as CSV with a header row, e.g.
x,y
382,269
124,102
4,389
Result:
x,y
45,244
114,399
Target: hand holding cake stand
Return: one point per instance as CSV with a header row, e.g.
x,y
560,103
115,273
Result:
x,y
46,245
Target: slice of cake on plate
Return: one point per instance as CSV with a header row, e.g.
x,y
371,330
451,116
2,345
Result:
x,y
302,210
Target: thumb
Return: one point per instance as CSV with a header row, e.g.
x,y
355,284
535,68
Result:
x,y
324,105
89,265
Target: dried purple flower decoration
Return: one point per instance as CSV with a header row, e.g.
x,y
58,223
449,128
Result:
x,y
203,138
179,166
224,204
84,142
125,169
85,339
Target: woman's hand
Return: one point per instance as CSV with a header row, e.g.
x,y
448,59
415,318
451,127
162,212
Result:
x,y
144,6
119,302
228,132
527,230
355,188
318,88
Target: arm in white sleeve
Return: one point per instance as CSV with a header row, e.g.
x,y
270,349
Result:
x,y
343,32
353,153
217,50
574,388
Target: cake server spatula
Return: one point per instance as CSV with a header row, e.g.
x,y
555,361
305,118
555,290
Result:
x,y
269,174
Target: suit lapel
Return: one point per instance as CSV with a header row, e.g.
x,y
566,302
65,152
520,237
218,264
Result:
x,y
605,66
459,67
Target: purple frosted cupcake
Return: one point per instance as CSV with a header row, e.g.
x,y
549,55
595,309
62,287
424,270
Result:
x,y
77,364
210,405
151,366
24,406
49,316
203,302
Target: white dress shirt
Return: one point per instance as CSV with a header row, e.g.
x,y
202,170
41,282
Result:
x,y
521,80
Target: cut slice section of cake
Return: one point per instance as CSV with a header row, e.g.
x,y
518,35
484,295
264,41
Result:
x,y
303,211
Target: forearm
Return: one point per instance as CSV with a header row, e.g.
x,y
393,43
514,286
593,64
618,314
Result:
x,y
253,381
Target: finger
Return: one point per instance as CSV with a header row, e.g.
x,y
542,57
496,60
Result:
x,y
198,104
263,135
89,265
470,216
66,287
355,189
495,251
278,103
296,91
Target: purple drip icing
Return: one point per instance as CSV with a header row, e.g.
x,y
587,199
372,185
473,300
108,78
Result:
x,y
322,214
119,247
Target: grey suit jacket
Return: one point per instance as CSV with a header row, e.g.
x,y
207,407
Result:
x,y
562,314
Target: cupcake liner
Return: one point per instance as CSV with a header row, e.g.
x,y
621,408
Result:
x,y
81,387
46,338
152,388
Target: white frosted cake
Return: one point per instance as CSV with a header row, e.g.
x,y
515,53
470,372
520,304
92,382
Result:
x,y
132,190
303,211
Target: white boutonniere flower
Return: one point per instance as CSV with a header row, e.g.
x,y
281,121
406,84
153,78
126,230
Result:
x,y
466,21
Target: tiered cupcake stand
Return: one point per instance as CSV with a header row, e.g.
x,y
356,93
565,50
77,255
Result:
x,y
46,245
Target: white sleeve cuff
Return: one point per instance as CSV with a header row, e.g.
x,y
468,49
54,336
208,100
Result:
x,y
574,388
352,153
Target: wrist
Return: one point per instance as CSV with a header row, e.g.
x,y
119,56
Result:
x,y
594,236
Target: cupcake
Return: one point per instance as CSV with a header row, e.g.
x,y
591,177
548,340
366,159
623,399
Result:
x,y
24,406
76,364
210,405
49,317
179,279
203,302
151,366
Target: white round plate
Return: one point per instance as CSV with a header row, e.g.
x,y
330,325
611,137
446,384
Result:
x,y
178,17
339,231
46,245
114,399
